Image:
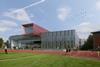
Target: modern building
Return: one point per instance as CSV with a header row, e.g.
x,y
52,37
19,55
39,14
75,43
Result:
x,y
38,37
96,39
31,38
60,40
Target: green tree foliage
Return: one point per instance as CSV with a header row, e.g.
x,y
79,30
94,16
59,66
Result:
x,y
1,42
7,44
88,44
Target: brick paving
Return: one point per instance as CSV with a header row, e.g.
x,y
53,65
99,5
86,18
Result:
x,y
85,54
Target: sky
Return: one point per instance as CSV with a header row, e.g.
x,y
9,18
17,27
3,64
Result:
x,y
54,15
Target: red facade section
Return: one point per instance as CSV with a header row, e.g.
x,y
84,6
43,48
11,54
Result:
x,y
36,29
39,30
96,39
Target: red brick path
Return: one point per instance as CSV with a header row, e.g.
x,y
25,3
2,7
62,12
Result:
x,y
87,54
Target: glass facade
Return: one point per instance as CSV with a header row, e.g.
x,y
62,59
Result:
x,y
29,30
60,39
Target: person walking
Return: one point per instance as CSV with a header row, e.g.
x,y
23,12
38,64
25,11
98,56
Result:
x,y
6,52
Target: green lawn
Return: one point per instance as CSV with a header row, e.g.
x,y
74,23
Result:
x,y
30,60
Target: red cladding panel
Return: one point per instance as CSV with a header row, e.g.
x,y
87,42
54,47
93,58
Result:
x,y
37,30
96,38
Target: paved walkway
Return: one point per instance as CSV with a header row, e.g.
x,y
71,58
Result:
x,y
85,54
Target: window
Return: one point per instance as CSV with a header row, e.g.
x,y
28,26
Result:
x,y
29,30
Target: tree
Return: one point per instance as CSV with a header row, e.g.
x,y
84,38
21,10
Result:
x,y
88,44
7,44
1,42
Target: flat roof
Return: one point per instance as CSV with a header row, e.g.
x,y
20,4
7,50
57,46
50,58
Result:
x,y
29,24
95,32
23,37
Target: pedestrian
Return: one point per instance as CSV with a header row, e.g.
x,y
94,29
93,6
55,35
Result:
x,y
32,48
66,51
6,52
98,52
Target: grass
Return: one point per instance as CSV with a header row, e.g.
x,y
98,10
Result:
x,y
30,60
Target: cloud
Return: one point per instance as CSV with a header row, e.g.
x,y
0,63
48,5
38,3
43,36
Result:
x,y
21,15
63,13
6,25
88,27
26,7
85,28
98,5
